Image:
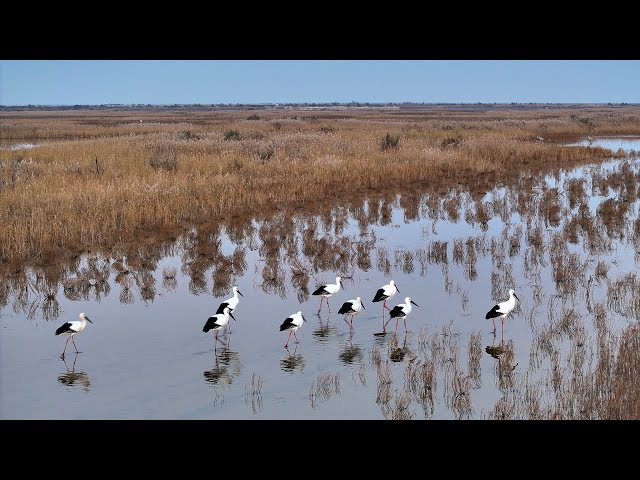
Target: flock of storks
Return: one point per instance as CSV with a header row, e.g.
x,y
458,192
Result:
x,y
351,307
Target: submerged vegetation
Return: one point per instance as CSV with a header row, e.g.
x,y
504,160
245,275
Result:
x,y
97,179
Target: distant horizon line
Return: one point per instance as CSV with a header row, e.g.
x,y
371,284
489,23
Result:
x,y
308,104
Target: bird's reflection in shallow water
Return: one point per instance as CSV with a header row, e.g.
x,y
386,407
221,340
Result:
x,y
506,364
73,376
383,338
383,331
227,366
324,330
399,352
293,361
350,353
496,350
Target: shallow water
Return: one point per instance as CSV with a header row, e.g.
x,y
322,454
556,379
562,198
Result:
x,y
12,144
146,357
626,143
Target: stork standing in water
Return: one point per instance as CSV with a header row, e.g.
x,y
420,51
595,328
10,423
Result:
x,y
402,310
385,293
72,329
502,309
351,307
325,291
292,323
217,322
232,302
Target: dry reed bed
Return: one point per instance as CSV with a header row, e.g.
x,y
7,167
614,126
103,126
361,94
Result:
x,y
126,179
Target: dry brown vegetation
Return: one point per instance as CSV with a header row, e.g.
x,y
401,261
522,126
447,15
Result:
x,y
105,178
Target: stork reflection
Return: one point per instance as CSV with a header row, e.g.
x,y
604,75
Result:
x,y
74,377
324,330
226,367
293,361
398,353
350,353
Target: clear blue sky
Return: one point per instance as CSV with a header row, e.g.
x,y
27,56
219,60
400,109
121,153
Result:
x,y
95,82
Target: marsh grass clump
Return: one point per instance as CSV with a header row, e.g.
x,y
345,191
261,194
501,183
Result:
x,y
461,397
571,230
383,377
400,409
623,296
602,269
188,135
458,251
514,242
51,307
265,154
390,142
569,324
624,401
164,157
323,387
504,368
535,237
77,288
437,252
471,259
404,260
254,392
232,135
474,356
451,142
452,206
146,282
550,207
636,233
576,192
612,213
567,272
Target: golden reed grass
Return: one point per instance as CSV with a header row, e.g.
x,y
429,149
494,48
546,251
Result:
x,y
100,179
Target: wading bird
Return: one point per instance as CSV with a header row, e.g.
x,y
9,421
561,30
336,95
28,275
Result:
x,y
502,309
351,307
217,321
292,323
325,291
72,329
232,302
401,311
385,293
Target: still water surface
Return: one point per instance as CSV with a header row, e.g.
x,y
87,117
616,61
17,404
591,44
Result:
x,y
146,357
